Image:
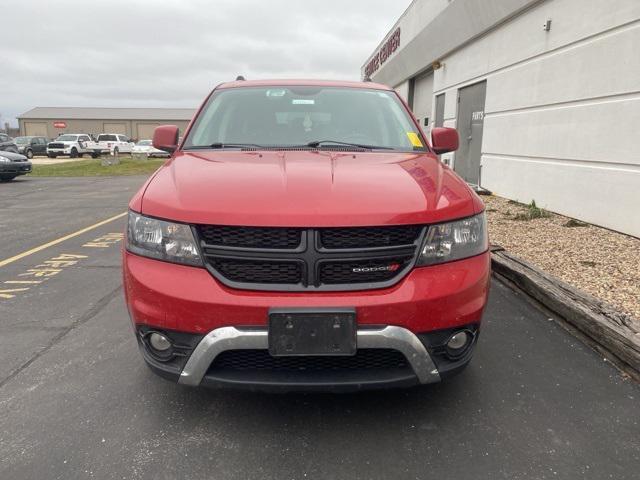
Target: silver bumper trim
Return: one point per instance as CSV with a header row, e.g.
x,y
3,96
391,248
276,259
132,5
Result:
x,y
231,338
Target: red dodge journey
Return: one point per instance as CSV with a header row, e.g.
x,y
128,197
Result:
x,y
304,235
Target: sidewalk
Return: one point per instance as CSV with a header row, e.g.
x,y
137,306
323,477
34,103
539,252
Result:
x,y
55,161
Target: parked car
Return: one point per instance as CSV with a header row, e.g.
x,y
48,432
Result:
x,y
305,235
30,146
110,143
145,148
72,144
7,144
13,164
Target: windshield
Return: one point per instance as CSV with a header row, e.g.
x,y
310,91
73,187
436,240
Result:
x,y
107,138
297,116
67,138
144,143
22,140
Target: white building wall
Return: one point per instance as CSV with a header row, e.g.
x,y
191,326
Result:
x,y
562,112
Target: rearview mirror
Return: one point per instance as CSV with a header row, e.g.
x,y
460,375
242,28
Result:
x,y
165,138
444,140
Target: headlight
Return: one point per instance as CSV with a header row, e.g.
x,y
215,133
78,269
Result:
x,y
172,242
455,240
4,159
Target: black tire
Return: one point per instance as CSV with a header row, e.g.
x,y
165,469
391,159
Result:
x,y
29,153
95,155
52,155
7,178
74,153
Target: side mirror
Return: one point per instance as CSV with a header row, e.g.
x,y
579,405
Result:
x,y
444,140
165,138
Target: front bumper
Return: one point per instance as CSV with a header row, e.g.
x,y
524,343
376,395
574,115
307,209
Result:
x,y
195,362
16,168
413,317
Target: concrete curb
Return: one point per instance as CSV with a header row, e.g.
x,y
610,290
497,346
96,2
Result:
x,y
611,333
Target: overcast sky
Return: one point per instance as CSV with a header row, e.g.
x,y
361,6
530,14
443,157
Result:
x,y
170,53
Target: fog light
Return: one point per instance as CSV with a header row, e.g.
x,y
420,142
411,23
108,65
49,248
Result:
x,y
159,342
458,342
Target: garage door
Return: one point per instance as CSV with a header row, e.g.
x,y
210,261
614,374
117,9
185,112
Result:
x,y
422,98
145,130
36,129
115,128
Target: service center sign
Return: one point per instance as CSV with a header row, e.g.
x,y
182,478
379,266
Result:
x,y
381,56
59,124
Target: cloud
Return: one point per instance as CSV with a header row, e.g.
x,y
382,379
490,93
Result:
x,y
171,53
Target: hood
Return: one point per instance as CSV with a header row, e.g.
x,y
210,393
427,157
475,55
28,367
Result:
x,y
14,157
306,188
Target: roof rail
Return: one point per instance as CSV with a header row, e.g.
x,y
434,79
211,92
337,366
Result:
x,y
240,78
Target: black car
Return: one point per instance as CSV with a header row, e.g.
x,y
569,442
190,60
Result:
x,y
12,165
7,144
30,146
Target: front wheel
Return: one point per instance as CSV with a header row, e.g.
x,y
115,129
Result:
x,y
74,153
7,178
29,154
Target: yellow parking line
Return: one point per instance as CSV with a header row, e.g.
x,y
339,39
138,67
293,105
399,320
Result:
x,y
60,240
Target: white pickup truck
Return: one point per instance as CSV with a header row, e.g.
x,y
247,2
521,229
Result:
x,y
71,144
111,143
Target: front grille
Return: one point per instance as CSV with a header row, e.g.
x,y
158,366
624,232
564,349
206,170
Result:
x,y
375,270
257,360
259,271
296,259
368,237
251,237
56,145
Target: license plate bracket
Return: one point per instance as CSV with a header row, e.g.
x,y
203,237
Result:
x,y
321,332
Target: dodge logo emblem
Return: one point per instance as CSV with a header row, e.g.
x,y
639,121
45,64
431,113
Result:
x,y
392,267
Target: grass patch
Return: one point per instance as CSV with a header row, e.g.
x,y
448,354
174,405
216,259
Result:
x,y
94,168
531,212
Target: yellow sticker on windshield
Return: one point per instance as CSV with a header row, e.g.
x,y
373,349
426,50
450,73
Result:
x,y
414,139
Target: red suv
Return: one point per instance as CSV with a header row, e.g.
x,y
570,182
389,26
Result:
x,y
304,235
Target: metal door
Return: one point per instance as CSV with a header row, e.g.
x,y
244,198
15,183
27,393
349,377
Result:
x,y
35,129
145,130
439,122
470,125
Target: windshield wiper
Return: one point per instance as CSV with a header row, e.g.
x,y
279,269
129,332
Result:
x,y
218,145
318,143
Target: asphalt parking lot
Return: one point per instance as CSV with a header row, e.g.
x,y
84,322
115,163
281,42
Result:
x,y
76,400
